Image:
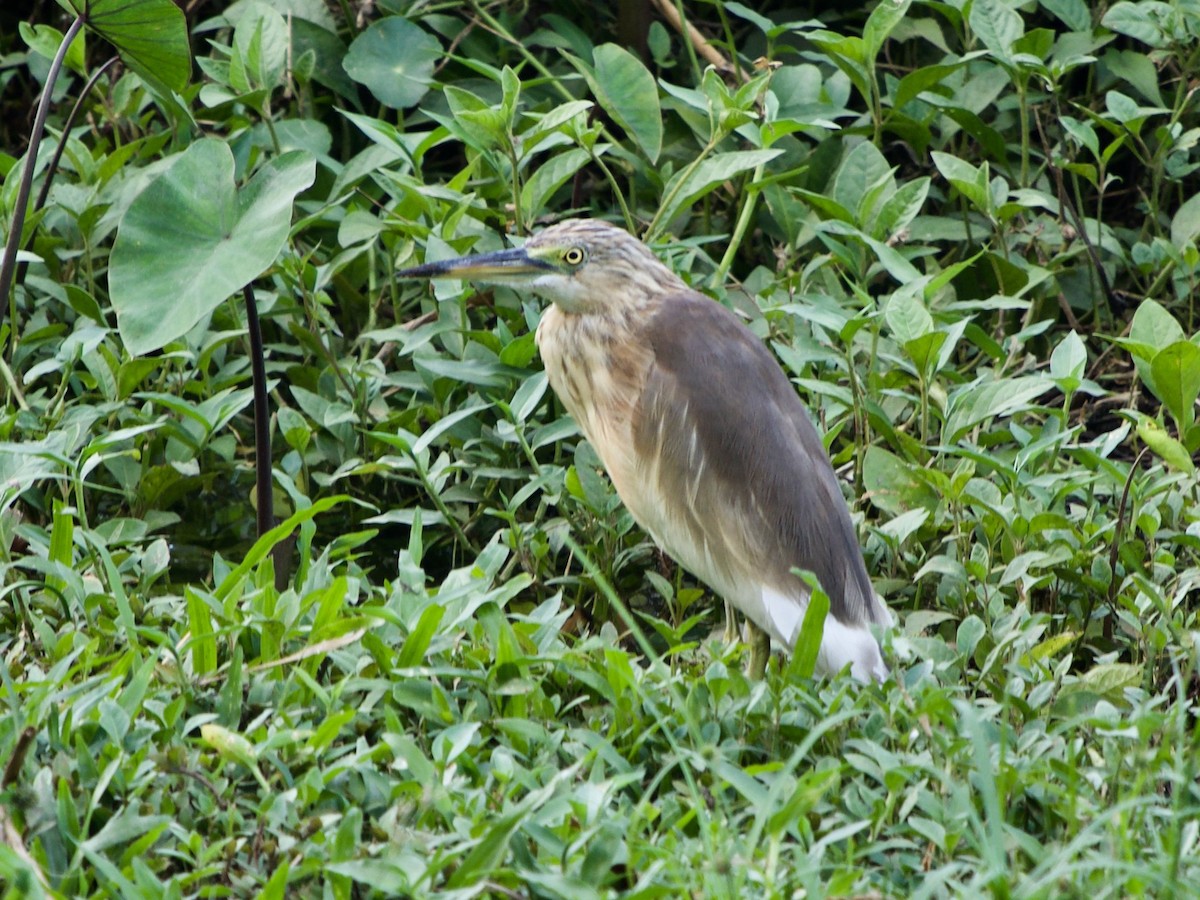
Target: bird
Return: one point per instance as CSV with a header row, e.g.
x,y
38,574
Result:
x,y
700,430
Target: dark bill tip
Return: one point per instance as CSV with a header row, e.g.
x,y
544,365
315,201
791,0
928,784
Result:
x,y
501,265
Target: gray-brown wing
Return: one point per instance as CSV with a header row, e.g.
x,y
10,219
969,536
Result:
x,y
733,441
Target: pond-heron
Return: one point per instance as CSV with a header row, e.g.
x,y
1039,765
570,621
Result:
x,y
701,431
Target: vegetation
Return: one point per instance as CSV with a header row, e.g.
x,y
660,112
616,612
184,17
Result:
x,y
967,228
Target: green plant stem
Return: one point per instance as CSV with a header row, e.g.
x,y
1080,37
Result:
x,y
11,381
740,228
652,229
8,265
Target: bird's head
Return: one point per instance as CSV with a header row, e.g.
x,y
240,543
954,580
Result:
x,y
583,265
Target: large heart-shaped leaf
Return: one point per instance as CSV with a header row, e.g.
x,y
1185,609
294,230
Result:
x,y
190,240
150,35
394,58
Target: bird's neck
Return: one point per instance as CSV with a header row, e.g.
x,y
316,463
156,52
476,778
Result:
x,y
596,365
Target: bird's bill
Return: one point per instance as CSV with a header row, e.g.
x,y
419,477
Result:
x,y
501,266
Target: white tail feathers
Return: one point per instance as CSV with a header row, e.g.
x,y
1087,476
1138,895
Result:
x,y
841,644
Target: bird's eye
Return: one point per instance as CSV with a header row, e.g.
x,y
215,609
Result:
x,y
573,256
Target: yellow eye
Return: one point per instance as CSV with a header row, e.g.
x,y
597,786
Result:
x,y
573,257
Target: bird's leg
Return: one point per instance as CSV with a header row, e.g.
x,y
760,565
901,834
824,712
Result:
x,y
760,650
731,631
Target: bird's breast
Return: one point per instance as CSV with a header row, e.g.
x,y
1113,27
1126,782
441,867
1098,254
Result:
x,y
597,366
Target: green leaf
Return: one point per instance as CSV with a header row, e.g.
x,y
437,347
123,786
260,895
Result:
x,y
1185,224
971,181
880,23
46,39
150,35
189,241
395,59
710,174
628,93
1153,326
1138,70
1164,446
260,48
1068,363
972,404
202,643
970,631
552,175
1072,13
892,485
62,536
1176,371
863,169
900,209
1111,678
907,316
1142,21
812,630
996,24
416,645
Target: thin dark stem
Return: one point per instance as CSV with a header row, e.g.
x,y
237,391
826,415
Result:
x,y
1114,550
7,267
51,169
13,769
263,488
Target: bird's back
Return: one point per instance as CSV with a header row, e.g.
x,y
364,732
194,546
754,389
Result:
x,y
713,453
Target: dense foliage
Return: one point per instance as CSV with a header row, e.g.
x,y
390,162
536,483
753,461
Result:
x,y
967,228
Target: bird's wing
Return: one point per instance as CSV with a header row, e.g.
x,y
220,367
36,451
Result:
x,y
728,446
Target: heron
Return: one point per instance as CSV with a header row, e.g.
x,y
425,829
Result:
x,y
701,432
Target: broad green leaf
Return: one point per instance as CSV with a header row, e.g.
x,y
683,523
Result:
x,y
924,350
417,645
150,35
903,526
1138,71
1185,224
880,23
972,404
376,875
891,484
907,316
1111,678
62,535
1176,370
1068,363
970,631
1072,13
190,240
628,93
1164,446
971,181
395,59
900,209
549,177
686,188
997,24
46,39
1153,326
260,48
1142,21
863,168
